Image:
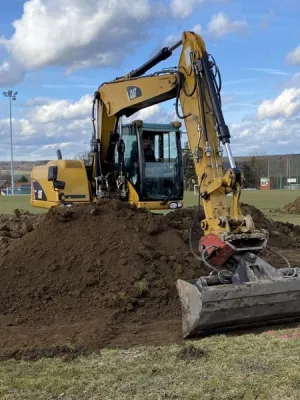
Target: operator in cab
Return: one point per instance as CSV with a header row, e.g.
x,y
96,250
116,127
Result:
x,y
148,151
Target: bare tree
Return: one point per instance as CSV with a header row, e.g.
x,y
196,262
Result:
x,y
5,175
84,156
255,168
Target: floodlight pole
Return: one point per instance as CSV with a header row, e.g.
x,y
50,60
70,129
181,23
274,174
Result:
x,y
11,96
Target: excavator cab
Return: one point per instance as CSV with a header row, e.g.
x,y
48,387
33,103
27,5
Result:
x,y
153,165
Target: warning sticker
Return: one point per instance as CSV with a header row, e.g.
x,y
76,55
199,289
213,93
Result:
x,y
187,55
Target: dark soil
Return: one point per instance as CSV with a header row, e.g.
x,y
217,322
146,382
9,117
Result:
x,y
283,235
191,353
65,352
294,207
101,276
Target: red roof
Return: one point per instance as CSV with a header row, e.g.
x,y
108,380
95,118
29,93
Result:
x,y
4,182
20,184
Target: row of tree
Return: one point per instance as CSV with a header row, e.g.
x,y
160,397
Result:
x,y
252,169
6,176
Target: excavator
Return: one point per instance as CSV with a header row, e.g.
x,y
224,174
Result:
x,y
141,164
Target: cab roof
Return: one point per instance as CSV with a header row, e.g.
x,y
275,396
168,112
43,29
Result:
x,y
156,127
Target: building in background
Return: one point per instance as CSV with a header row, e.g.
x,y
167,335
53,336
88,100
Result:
x,y
4,185
265,184
23,187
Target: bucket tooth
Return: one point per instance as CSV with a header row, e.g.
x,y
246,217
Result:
x,y
259,295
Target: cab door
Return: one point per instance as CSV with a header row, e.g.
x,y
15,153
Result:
x,y
133,165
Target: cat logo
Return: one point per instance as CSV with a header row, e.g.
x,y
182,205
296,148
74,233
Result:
x,y
133,92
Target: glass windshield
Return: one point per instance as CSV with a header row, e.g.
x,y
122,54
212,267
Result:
x,y
161,165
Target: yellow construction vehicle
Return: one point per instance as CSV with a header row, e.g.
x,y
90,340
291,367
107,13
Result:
x,y
142,164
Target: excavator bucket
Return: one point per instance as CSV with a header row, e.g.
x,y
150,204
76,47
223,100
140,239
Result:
x,y
258,294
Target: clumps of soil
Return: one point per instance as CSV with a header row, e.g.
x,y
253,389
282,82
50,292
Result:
x,y
191,353
66,353
102,275
283,235
16,226
293,207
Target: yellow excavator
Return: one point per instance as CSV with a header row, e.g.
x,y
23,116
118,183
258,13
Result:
x,y
142,164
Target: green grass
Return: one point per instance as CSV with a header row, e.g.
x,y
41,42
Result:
x,y
264,200
19,172
9,203
252,366
267,201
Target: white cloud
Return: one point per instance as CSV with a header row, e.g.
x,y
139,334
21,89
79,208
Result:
x,y
294,56
57,145
144,114
295,81
266,19
218,26
89,33
277,124
63,86
27,128
276,130
69,128
170,40
59,124
270,71
77,34
272,137
10,73
37,101
182,9
62,109
197,29
240,81
221,25
287,104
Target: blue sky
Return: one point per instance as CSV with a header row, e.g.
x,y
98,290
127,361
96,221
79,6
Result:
x,y
55,53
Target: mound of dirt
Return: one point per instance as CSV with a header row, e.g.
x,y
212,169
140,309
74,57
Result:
x,y
101,275
283,235
294,207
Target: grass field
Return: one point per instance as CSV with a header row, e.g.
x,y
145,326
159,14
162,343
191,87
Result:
x,y
253,366
268,202
22,202
262,365
18,173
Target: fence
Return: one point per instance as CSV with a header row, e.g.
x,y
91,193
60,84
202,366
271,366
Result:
x,y
17,191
